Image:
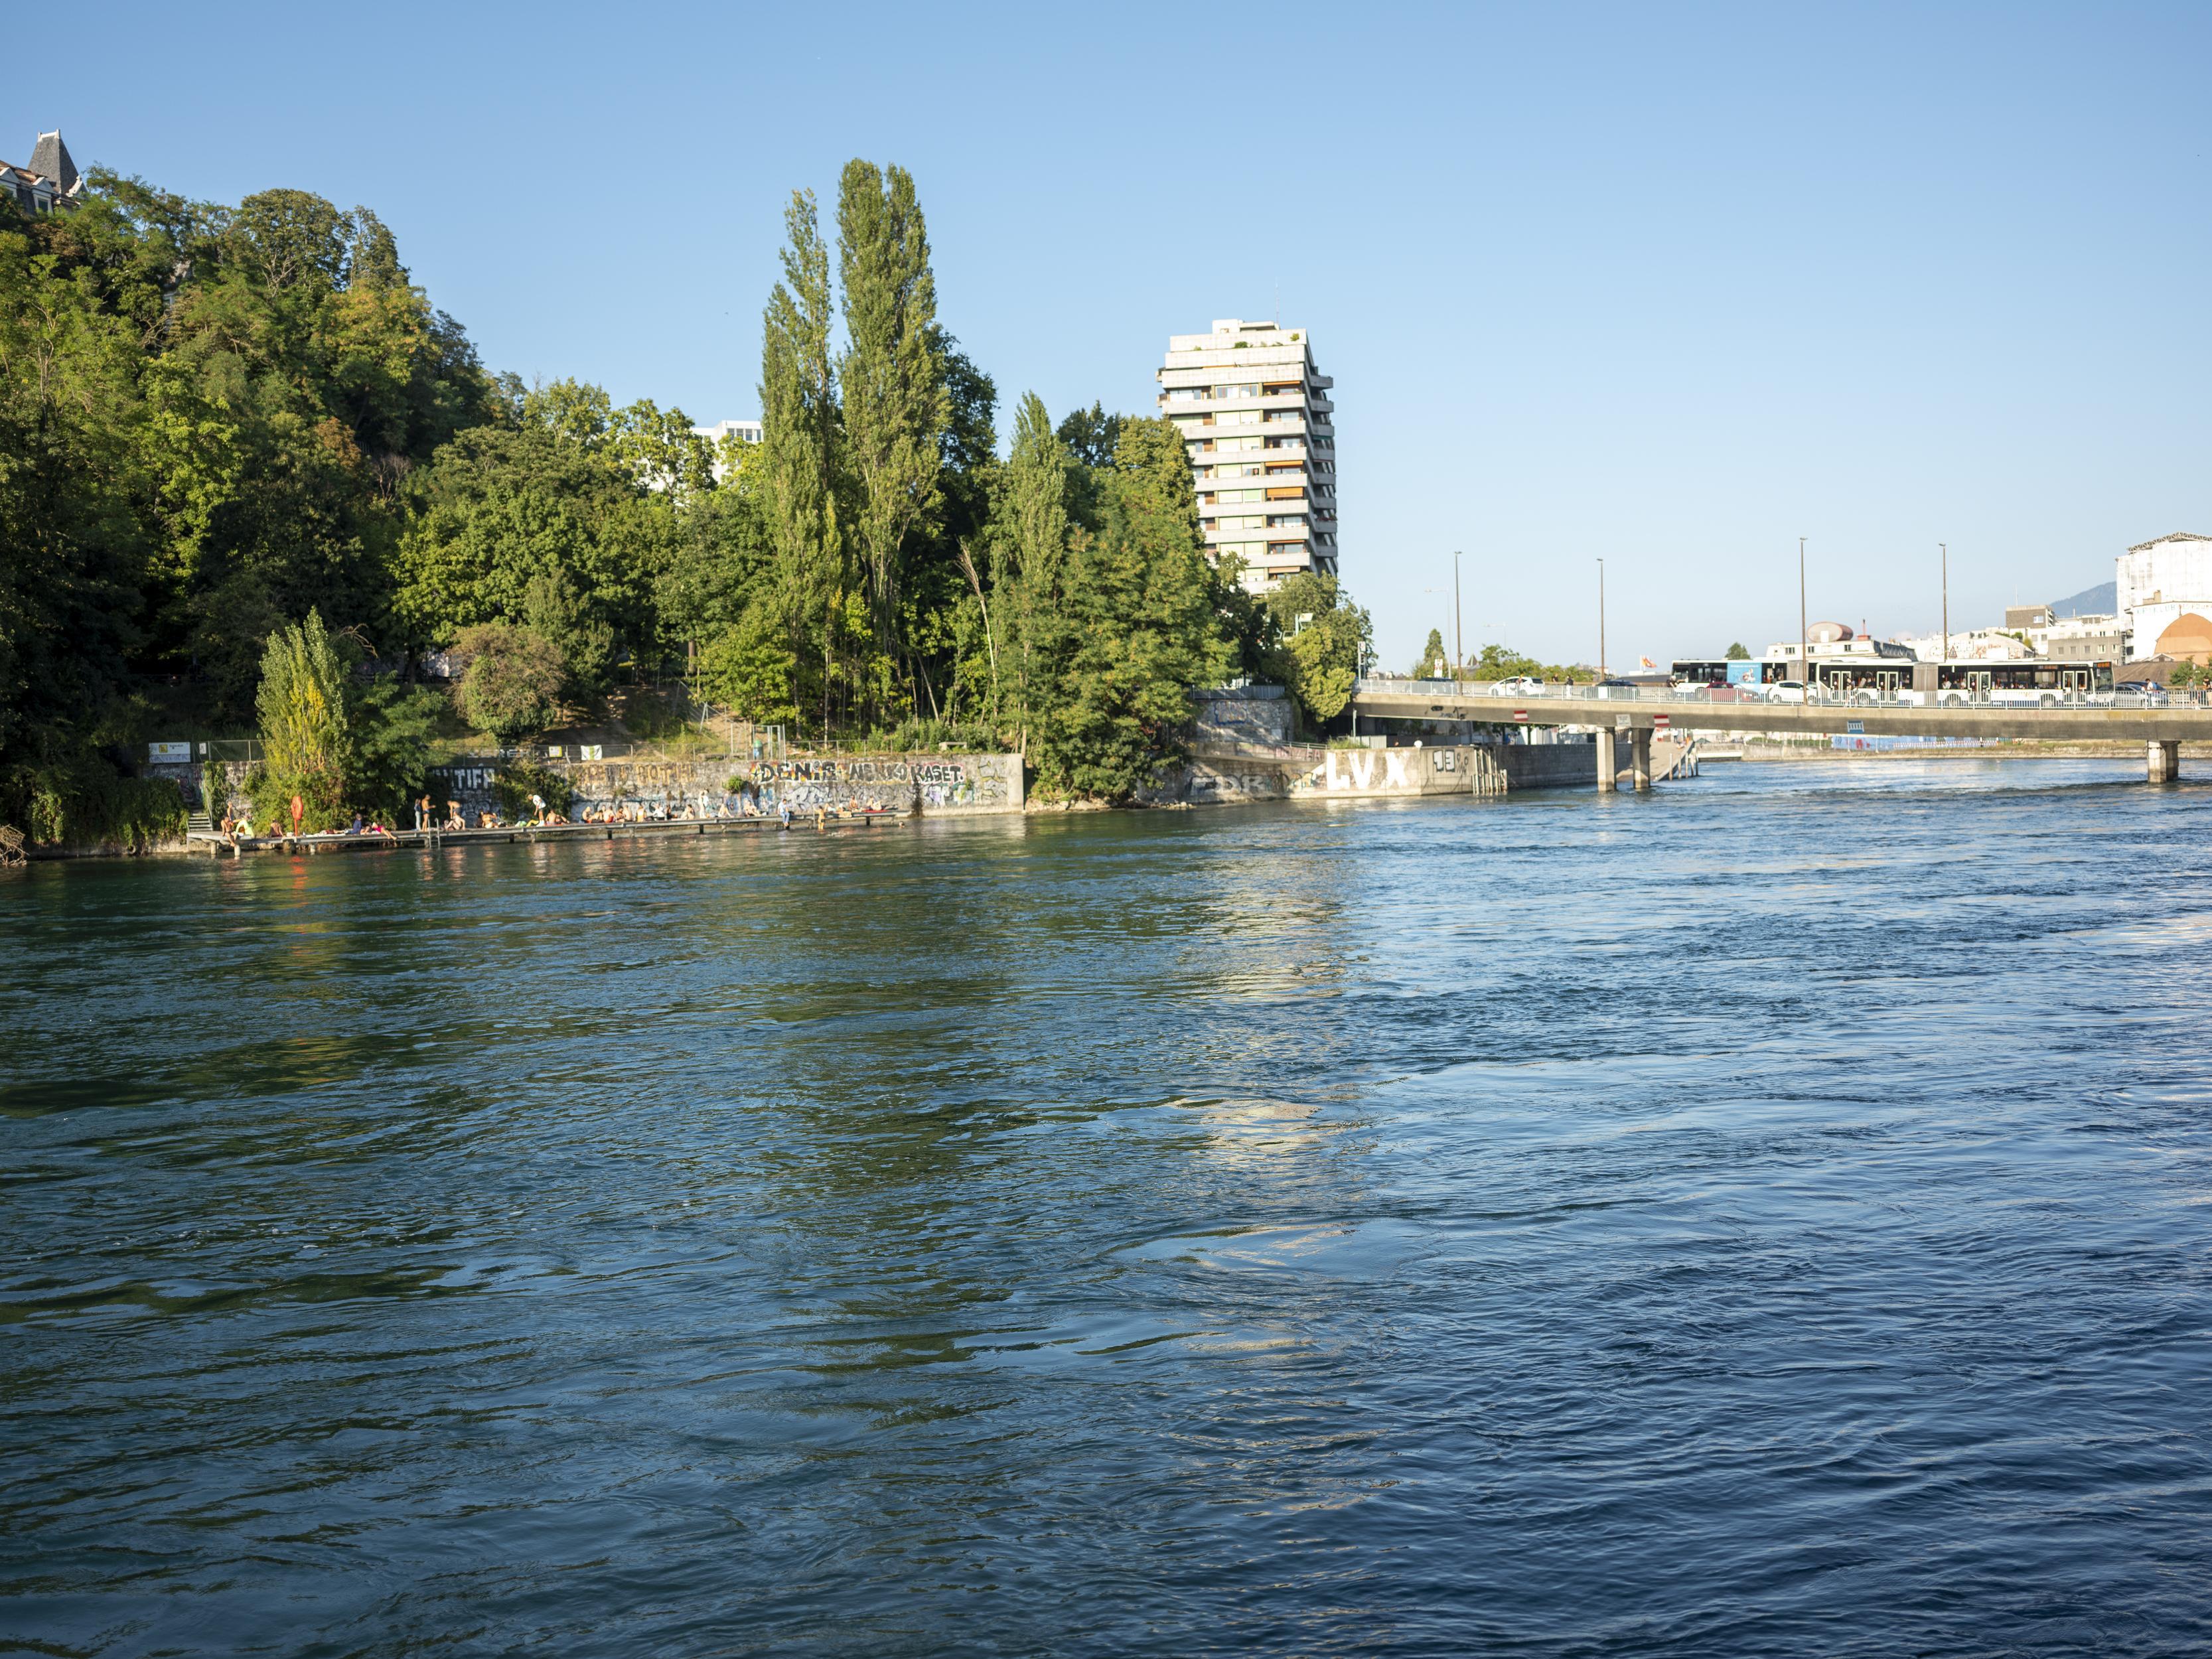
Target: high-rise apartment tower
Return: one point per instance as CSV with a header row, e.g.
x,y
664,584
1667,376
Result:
x,y
1256,416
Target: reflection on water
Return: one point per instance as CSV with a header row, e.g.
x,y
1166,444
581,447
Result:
x,y
1765,1217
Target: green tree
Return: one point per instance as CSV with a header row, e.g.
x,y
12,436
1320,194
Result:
x,y
1502,662
1737,654
1136,629
512,685
803,442
1030,525
535,524
1434,661
302,702
1325,638
391,731
750,669
894,405
1090,434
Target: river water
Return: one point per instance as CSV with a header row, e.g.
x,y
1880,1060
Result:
x,y
1767,1217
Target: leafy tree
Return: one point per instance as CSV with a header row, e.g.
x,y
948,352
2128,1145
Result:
x,y
391,731
803,441
1029,527
1434,660
720,559
1502,662
1325,640
512,685
502,508
1246,621
1737,654
894,405
552,610
749,668
1090,434
302,705
1135,629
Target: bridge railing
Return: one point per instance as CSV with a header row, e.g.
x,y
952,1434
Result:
x,y
1506,693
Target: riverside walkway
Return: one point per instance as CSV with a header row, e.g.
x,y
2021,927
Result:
x,y
1638,711
217,845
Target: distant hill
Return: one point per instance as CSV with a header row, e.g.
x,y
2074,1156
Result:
x,y
2096,601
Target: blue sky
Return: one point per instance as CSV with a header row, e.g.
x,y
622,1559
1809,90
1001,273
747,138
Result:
x,y
1671,286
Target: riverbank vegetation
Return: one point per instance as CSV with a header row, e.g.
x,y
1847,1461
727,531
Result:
x,y
251,480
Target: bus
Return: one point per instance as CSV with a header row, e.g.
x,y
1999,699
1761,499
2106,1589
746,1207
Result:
x,y
1960,685
2021,684
1702,674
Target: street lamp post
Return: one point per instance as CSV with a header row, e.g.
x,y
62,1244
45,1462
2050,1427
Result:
x,y
1600,619
1945,546
1459,648
1804,628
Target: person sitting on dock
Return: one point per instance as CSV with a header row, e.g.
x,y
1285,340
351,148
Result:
x,y
453,818
355,827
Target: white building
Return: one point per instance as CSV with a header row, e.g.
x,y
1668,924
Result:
x,y
1256,415
2158,583
743,432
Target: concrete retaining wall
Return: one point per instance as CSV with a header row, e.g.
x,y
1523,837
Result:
x,y
1312,774
1304,774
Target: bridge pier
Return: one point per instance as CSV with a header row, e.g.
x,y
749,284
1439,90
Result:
x,y
2164,762
1639,751
1606,765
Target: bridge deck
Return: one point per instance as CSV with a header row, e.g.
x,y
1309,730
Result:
x,y
1562,706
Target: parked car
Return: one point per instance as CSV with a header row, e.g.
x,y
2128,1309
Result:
x,y
1520,685
1785,691
1615,687
2148,691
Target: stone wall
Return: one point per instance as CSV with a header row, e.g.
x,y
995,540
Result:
x,y
1241,716
939,786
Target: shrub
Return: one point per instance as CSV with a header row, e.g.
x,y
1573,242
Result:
x,y
518,781
86,804
511,686
321,805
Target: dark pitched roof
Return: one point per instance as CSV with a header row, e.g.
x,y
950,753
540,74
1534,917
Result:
x,y
51,158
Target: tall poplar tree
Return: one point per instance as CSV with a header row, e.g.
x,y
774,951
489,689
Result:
x,y
895,405
802,439
1030,531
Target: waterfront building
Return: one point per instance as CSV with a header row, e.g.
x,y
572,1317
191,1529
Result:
x,y
48,182
1257,418
2159,583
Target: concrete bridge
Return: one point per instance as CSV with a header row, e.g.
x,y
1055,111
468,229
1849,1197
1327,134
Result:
x,y
1635,712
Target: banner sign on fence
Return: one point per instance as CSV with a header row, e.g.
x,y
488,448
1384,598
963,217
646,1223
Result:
x,y
159,754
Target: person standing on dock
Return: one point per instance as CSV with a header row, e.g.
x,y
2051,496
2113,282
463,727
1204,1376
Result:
x,y
299,811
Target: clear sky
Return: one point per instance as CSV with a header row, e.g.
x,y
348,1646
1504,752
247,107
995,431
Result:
x,y
1672,286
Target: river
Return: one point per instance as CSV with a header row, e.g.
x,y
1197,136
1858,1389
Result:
x,y
1769,1216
